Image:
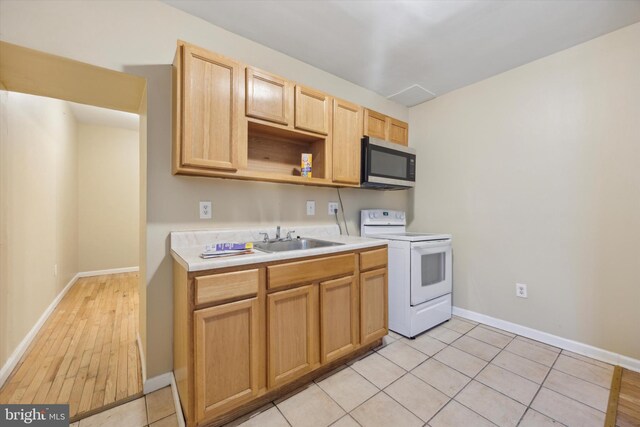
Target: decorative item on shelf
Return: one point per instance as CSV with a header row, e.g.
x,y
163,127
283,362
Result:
x,y
305,165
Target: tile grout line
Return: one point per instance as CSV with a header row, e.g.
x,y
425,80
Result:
x,y
589,361
538,392
540,385
569,397
465,386
281,413
472,379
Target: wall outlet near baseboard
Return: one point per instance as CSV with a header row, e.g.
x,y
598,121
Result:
x,y
333,207
521,290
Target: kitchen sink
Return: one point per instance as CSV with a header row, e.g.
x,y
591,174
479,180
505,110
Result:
x,y
293,245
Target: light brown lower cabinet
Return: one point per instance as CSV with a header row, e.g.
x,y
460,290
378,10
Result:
x,y
374,314
244,336
338,318
292,334
226,356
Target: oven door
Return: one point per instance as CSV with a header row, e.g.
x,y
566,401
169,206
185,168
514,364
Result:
x,y
430,270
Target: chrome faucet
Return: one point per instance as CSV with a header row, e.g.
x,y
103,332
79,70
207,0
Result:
x,y
266,239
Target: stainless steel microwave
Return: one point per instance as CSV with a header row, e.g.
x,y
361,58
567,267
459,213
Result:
x,y
387,166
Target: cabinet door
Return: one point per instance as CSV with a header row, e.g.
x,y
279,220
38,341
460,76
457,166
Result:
x,y
211,86
398,131
292,334
227,356
347,123
373,305
375,124
267,96
312,110
338,318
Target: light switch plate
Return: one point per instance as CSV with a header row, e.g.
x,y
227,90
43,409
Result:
x,y
311,207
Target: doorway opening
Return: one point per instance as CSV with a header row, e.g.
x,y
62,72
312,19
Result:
x,y
73,240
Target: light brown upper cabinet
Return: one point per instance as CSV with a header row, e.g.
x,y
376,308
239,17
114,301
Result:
x,y
347,123
398,132
232,120
312,109
377,125
267,96
209,93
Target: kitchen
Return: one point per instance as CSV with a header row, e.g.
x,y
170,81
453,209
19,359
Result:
x,y
490,172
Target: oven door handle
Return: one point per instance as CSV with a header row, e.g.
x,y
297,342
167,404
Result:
x,y
432,244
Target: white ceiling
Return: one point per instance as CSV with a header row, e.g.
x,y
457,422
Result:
x,y
91,115
430,47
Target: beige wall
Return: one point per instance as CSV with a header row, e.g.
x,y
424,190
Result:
x,y
536,172
38,210
139,37
108,197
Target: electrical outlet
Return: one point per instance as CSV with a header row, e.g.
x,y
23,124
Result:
x,y
205,210
521,290
311,207
333,207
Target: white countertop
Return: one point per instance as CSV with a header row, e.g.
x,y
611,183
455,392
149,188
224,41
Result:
x,y
186,246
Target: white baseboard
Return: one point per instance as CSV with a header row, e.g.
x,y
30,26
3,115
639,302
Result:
x,y
17,354
143,361
110,271
161,381
554,340
156,383
176,402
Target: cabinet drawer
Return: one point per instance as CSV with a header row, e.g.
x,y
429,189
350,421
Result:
x,y
225,286
309,271
373,259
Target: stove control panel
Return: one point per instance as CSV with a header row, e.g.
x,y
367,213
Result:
x,y
382,217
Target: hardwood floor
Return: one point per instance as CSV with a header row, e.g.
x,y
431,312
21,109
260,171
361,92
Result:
x,y
629,400
623,409
86,353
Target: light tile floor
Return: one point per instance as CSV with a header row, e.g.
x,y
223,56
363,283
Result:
x,y
460,373
156,409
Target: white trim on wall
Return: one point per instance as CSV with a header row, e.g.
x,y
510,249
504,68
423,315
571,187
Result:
x,y
554,340
176,402
162,381
158,382
143,361
17,354
110,271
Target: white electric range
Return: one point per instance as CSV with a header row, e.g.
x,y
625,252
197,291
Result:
x,y
420,270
